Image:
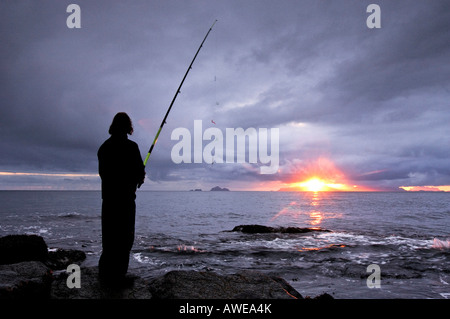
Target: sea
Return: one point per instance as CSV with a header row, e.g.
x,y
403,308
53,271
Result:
x,y
376,245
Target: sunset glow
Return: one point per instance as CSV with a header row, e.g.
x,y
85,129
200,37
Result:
x,y
47,174
442,188
321,175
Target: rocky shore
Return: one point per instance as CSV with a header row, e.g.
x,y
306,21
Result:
x,y
29,270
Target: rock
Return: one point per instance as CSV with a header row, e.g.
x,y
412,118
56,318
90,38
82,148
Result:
x,y
91,288
61,258
33,278
209,285
25,280
324,297
219,189
257,229
18,248
253,229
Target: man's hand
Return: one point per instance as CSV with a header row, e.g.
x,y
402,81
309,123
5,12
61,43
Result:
x,y
141,182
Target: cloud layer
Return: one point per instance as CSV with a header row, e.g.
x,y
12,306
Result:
x,y
372,101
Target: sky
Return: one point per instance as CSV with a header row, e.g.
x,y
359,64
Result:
x,y
365,107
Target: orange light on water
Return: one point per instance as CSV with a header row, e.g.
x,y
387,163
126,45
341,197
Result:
x,y
307,210
320,248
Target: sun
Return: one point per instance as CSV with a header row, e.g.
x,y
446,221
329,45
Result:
x,y
313,185
317,184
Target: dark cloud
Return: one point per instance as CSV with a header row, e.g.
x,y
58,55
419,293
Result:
x,y
369,100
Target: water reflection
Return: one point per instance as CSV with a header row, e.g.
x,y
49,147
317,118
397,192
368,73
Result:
x,y
308,208
316,216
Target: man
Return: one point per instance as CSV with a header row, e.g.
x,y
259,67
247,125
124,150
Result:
x,y
121,171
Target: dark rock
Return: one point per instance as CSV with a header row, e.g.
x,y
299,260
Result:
x,y
91,288
324,297
61,258
209,285
25,280
259,229
321,297
253,229
18,248
287,287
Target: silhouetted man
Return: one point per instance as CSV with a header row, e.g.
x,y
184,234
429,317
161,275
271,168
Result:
x,y
121,171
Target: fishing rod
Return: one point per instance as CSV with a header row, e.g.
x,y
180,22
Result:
x,y
176,94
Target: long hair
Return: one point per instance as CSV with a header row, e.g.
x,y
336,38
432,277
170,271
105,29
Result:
x,y
121,124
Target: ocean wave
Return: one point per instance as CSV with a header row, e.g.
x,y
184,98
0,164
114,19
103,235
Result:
x,y
176,249
376,241
69,215
36,230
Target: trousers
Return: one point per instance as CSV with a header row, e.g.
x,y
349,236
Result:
x,y
118,222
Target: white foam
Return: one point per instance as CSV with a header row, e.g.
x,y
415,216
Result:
x,y
141,259
349,239
442,280
147,260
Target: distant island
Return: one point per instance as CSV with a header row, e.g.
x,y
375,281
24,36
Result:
x,y
219,189
214,189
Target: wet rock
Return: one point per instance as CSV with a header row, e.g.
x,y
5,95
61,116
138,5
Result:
x,y
25,280
91,288
209,285
18,248
253,229
61,258
260,229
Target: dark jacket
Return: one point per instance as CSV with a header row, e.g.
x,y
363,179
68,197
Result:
x,y
120,167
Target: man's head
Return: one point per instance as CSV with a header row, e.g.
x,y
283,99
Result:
x,y
121,124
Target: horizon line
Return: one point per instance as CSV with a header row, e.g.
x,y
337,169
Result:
x,y
207,191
